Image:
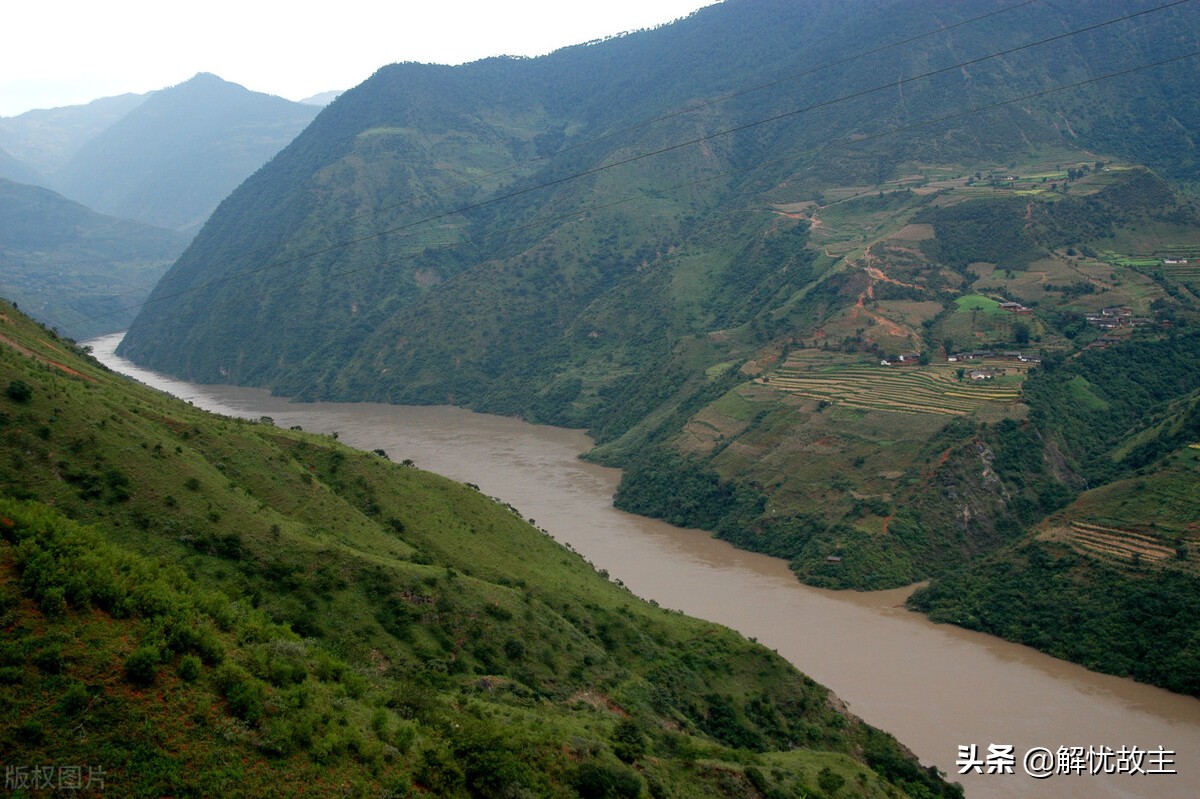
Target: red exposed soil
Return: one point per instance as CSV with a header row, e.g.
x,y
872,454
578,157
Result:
x,y
30,353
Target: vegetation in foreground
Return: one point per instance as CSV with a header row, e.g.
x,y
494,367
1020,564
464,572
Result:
x,y
203,606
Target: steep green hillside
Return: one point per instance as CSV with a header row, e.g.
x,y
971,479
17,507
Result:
x,y
1111,580
196,605
75,269
171,159
745,276
811,450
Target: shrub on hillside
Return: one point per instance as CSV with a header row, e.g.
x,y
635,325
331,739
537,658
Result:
x,y
19,391
139,666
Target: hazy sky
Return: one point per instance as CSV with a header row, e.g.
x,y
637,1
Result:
x,y
66,52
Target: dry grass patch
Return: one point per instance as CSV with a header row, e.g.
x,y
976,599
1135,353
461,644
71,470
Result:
x,y
914,232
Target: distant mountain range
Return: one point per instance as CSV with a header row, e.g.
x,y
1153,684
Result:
x,y
166,158
322,99
16,170
171,160
45,140
150,168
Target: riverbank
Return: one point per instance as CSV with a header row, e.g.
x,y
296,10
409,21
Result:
x,y
933,686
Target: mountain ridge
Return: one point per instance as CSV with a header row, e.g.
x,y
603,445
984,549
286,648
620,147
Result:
x,y
167,156
78,270
43,140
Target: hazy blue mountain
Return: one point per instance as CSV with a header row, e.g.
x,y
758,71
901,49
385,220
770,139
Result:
x,y
171,160
45,139
75,269
14,169
322,99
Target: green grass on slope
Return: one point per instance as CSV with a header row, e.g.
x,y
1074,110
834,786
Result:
x,y
201,605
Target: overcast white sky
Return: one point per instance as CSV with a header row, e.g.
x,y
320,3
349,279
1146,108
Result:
x,y
67,52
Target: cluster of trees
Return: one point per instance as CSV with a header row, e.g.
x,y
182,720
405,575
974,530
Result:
x,y
1091,403
1106,416
991,230
1144,625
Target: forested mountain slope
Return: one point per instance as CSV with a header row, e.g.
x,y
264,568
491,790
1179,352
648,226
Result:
x,y
466,289
1111,580
745,275
197,605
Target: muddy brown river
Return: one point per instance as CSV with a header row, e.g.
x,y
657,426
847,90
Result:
x,y
935,687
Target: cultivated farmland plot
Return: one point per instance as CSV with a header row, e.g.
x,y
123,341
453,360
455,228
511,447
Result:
x,y
935,388
1188,274
1118,544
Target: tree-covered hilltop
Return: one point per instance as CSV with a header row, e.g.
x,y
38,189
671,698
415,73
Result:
x,y
199,605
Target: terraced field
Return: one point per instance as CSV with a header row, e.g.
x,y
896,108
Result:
x,y
1121,545
1152,262
1187,274
919,389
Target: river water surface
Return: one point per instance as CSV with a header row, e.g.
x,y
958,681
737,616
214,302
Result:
x,y
935,687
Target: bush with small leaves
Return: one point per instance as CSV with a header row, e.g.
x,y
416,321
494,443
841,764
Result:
x,y
19,391
139,666
514,649
74,700
50,659
247,699
31,732
830,781
189,668
627,740
596,780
